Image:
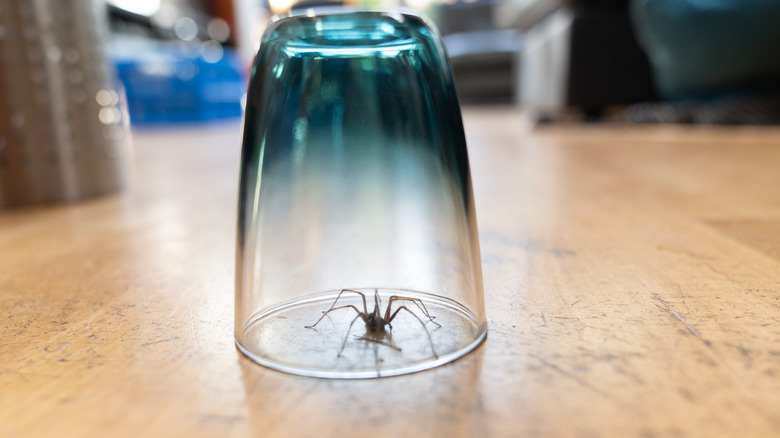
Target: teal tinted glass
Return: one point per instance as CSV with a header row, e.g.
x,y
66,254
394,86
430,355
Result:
x,y
374,76
355,176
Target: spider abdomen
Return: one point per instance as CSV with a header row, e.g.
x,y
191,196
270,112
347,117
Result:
x,y
376,324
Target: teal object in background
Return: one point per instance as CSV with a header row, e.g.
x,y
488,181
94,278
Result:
x,y
355,175
709,48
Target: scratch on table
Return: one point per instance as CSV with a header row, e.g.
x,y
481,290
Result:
x,y
584,383
668,308
572,304
535,332
57,347
682,295
631,375
194,328
30,376
544,318
173,312
160,341
224,419
92,318
708,345
562,252
746,353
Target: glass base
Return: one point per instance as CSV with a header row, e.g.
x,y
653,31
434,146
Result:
x,y
292,338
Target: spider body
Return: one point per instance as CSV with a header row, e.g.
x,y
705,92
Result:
x,y
375,321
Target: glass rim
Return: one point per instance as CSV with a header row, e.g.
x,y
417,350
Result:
x,y
316,11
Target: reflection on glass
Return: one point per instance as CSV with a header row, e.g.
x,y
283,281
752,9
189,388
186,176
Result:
x,y
355,176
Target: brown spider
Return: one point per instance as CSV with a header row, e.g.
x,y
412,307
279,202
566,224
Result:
x,y
375,321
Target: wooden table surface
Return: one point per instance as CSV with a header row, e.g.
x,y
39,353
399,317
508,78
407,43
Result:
x,y
632,282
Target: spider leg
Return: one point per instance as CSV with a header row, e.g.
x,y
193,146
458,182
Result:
x,y
430,341
365,308
417,302
333,306
359,314
344,344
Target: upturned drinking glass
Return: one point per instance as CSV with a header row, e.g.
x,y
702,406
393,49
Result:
x,y
357,249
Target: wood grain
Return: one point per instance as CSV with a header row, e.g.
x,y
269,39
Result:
x,y
631,281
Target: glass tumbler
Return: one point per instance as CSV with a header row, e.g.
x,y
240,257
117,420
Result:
x,y
357,250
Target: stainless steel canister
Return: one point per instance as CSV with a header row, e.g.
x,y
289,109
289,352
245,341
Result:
x,y
63,129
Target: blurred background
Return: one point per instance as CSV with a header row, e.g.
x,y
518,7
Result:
x,y
62,62
633,61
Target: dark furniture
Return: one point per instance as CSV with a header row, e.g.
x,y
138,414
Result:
x,y
579,55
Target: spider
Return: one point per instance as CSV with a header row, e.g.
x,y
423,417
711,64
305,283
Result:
x,y
375,321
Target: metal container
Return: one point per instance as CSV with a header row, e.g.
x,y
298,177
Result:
x,y
63,129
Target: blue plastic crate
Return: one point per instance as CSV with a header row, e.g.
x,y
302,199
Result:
x,y
168,84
